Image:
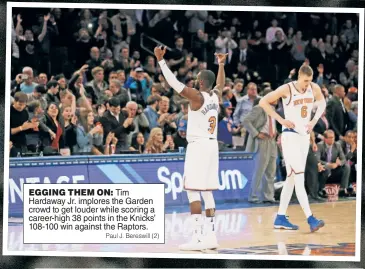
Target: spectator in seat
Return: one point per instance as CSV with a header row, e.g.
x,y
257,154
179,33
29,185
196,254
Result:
x,y
271,31
197,20
83,46
184,109
112,75
226,128
166,120
180,136
89,136
93,62
176,57
37,95
237,91
245,105
151,111
138,143
98,84
349,148
54,121
42,79
121,76
70,122
20,124
353,115
28,85
243,54
139,119
52,95
155,142
123,29
36,114
61,82
119,92
119,123
334,165
336,112
139,84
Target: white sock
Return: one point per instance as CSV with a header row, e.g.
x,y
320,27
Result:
x,y
302,194
286,195
197,224
210,225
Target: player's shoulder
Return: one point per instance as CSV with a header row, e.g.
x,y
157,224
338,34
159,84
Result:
x,y
283,90
314,86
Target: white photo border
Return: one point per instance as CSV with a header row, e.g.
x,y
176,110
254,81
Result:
x,y
11,5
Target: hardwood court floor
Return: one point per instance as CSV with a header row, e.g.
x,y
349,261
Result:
x,y
242,231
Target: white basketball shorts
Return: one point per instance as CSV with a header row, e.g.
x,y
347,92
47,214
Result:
x,y
295,151
201,165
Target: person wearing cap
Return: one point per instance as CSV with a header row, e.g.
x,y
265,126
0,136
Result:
x,y
180,136
262,134
139,84
225,126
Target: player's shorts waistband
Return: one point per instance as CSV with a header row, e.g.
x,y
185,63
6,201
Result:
x,y
289,130
201,139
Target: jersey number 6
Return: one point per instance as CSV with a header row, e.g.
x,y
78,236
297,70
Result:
x,y
213,123
304,111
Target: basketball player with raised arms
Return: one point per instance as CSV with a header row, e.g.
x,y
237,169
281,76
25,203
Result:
x,y
298,98
202,153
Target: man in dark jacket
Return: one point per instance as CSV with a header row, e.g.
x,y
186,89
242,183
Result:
x,y
118,122
337,114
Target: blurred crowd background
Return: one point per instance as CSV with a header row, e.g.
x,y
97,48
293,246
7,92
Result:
x,y
86,82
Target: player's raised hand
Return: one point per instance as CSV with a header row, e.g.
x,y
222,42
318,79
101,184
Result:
x,y
221,57
159,52
287,124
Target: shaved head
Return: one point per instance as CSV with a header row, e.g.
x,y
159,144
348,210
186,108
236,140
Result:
x,y
206,78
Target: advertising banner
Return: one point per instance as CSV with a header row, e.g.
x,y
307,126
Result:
x,y
235,173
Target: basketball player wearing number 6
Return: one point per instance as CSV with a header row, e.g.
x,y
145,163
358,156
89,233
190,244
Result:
x,y
202,153
298,99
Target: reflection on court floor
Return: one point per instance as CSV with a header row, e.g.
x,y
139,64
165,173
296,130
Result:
x,y
240,230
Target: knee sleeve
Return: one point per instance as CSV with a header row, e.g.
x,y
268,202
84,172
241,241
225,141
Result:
x,y
193,196
208,199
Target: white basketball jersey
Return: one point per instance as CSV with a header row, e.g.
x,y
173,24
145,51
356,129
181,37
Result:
x,y
203,123
298,107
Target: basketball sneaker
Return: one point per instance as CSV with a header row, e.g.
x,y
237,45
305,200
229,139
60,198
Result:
x,y
197,242
315,224
282,222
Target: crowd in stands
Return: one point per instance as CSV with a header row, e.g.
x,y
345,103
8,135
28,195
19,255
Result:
x,y
82,83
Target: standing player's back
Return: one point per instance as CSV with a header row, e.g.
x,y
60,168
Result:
x,y
203,122
298,107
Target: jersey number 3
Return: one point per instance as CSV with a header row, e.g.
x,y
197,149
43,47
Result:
x,y
212,124
304,112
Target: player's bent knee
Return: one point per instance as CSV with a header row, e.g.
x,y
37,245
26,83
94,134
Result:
x,y
208,199
193,196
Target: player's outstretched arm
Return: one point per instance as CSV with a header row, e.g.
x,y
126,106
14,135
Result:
x,y
193,95
320,102
221,76
270,98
